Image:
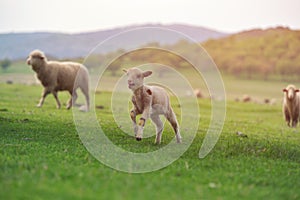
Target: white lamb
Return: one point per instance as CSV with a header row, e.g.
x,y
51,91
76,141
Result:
x,y
291,105
60,76
149,101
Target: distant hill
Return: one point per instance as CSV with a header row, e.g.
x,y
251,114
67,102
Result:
x,y
271,52
60,45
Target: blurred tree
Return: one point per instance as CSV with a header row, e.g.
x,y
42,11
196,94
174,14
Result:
x,y
285,68
266,69
258,53
115,66
251,66
5,63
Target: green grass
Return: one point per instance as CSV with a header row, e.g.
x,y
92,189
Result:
x,y
42,157
19,67
19,72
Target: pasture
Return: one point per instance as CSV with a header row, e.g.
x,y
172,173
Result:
x,y
42,157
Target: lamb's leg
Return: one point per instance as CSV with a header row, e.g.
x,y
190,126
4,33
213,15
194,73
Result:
x,y
142,122
140,129
171,117
133,118
56,98
159,127
44,94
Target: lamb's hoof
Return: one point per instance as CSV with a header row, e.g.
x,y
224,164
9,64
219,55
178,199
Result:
x,y
39,106
138,139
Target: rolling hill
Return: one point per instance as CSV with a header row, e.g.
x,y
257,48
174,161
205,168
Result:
x,y
61,45
264,53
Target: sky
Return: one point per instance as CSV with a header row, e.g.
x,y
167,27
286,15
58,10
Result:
x,y
74,16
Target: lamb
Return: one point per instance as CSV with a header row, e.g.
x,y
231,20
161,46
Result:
x,y
149,101
291,105
60,76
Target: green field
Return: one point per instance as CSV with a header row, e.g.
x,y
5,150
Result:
x,y
42,156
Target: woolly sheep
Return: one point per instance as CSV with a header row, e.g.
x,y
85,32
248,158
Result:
x,y
60,76
291,105
149,101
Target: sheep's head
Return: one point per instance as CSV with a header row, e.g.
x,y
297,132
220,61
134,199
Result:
x,y
290,91
36,59
135,77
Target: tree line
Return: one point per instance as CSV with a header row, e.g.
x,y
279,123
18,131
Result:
x,y
261,54
267,53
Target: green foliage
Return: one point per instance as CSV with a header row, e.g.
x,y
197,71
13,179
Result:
x,y
42,157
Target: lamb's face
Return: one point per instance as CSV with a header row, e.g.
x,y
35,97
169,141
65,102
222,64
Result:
x,y
291,92
35,59
135,77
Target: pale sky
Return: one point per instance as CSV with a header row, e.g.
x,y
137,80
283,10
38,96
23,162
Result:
x,y
72,16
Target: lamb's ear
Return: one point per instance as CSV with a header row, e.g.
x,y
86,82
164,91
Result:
x,y
297,90
125,70
284,90
147,73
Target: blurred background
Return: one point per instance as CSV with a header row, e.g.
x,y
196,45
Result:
x,y
251,42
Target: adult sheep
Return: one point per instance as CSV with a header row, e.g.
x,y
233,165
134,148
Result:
x,y
60,76
291,105
149,101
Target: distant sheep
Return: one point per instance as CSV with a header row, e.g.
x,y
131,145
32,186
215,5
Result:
x,y
291,105
198,93
270,101
60,76
9,82
236,99
273,101
246,98
267,101
149,101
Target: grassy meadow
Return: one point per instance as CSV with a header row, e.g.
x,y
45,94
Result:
x,y
42,156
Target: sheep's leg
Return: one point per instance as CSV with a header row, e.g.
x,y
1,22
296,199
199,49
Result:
x,y
133,118
72,100
159,127
287,116
171,117
294,123
56,98
85,91
295,120
44,94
